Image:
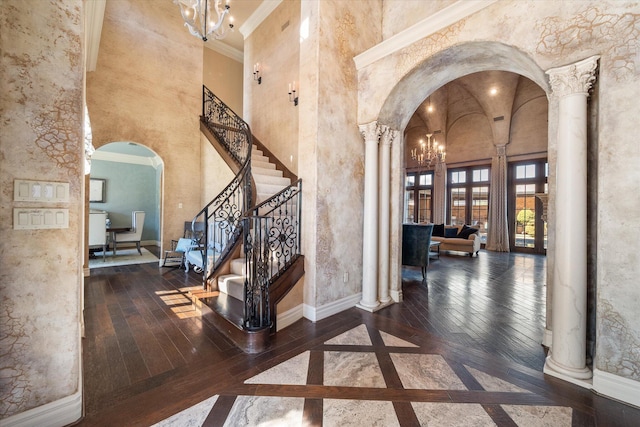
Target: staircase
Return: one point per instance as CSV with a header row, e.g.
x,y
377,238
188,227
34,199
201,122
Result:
x,y
268,181
251,241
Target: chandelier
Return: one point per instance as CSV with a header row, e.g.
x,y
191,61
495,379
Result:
x,y
198,17
428,154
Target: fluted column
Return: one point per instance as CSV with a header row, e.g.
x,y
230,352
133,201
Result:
x,y
388,135
567,357
369,302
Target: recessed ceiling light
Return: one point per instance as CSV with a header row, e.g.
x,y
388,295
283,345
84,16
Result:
x,y
493,91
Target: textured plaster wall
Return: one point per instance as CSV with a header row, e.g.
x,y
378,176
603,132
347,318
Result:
x,y
551,34
147,88
223,76
40,139
399,14
275,45
216,174
332,167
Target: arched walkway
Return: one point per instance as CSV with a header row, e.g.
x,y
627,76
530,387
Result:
x,y
567,113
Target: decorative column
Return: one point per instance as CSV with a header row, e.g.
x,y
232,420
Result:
x,y
387,138
567,357
547,339
369,302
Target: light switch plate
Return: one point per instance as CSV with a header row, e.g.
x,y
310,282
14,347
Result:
x,y
40,191
40,219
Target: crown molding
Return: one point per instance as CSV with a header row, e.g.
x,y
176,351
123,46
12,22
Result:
x,y
430,25
94,16
256,18
225,49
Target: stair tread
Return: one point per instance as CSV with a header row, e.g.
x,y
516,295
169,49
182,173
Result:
x,y
265,165
273,180
262,171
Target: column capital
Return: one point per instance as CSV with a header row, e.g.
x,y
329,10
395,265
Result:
x,y
388,135
574,78
370,131
501,150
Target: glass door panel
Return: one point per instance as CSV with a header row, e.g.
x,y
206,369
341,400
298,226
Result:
x,y
424,206
525,215
409,206
458,206
480,210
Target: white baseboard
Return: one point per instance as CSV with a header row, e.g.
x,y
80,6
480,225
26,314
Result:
x,y
616,387
289,317
318,313
55,414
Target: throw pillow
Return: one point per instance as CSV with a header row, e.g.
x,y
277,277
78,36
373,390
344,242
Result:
x,y
438,230
466,232
450,232
184,245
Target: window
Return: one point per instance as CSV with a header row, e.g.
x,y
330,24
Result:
x,y
527,230
469,198
418,205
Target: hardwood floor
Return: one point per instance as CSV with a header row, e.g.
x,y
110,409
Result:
x,y
494,302
148,355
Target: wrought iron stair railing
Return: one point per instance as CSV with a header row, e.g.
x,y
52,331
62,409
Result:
x,y
271,244
270,231
222,217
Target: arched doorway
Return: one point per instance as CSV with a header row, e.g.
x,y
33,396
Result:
x,y
567,136
416,86
468,119
131,177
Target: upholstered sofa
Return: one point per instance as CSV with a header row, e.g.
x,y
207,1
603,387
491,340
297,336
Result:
x,y
460,238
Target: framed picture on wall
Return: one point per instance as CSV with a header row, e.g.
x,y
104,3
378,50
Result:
x,y
97,190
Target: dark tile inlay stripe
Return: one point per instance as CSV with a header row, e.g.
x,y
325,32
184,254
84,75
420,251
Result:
x,y
220,411
312,413
406,415
315,374
389,372
465,376
499,416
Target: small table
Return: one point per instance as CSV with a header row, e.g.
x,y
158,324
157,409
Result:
x,y
112,232
436,253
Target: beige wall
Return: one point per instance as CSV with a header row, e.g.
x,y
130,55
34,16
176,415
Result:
x,y
223,76
41,139
272,118
399,14
147,88
331,148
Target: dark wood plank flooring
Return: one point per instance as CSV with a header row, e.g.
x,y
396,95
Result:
x,y
147,355
494,302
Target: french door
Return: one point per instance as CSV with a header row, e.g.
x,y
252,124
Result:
x,y
527,231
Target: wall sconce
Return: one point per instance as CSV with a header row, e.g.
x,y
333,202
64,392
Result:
x,y
292,94
256,73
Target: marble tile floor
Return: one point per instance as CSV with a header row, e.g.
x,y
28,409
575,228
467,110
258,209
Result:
x,y
367,376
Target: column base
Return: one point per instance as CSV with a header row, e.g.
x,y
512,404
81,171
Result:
x,y
578,376
385,301
375,308
396,296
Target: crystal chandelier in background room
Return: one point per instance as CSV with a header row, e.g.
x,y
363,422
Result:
x,y
428,154
199,17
